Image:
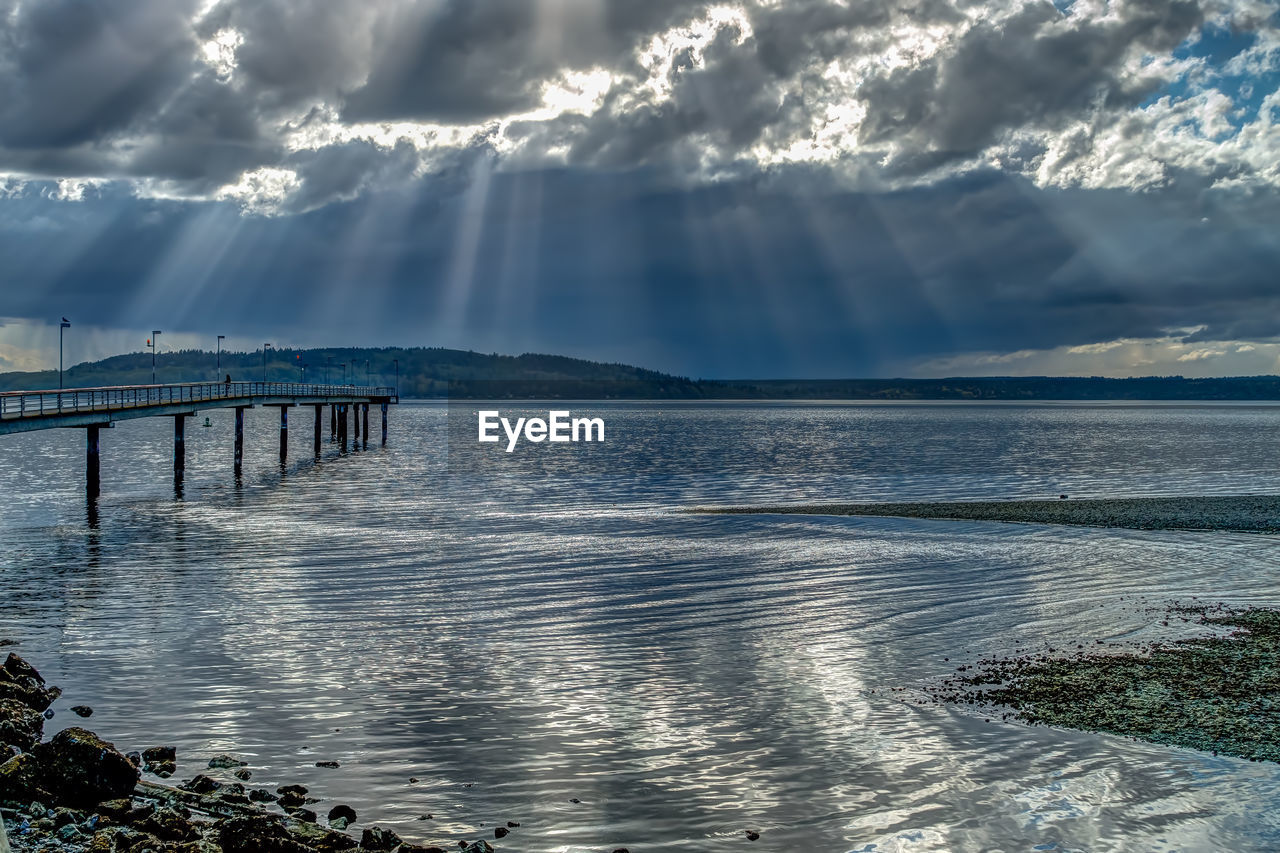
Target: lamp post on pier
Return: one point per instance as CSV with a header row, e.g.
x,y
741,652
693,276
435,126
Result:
x,y
265,347
63,326
155,339
218,368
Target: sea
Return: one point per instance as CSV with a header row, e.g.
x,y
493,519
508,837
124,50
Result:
x,y
548,637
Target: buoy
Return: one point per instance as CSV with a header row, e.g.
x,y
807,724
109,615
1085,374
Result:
x,y
206,422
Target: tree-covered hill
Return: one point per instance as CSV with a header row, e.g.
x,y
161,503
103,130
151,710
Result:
x,y
436,372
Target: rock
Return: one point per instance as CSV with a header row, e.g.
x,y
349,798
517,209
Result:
x,y
574,800
82,710
511,824
19,680
242,774
224,762
15,667
377,838
256,834
418,848
62,816
303,814
163,769
500,832
481,846
292,800
201,785
333,765
168,825
320,839
339,823
261,795
159,753
622,850
291,789
20,724
48,713
135,758
83,769
115,809
752,835
342,812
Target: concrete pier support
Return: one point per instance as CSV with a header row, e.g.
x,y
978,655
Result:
x,y
333,421
364,437
92,475
284,434
239,439
384,424
342,427
319,415
179,448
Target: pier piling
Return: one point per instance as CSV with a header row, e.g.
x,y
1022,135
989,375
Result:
x,y
342,427
364,436
239,439
179,448
284,434
93,477
319,414
384,424
333,421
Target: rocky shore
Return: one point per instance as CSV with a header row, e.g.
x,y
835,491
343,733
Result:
x,y
1240,513
77,792
1218,693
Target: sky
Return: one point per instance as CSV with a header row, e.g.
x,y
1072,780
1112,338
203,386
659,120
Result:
x,y
757,188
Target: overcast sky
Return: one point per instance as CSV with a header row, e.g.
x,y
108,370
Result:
x,y
741,189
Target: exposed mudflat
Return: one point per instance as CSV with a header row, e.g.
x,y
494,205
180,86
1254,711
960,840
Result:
x,y
1239,513
1218,694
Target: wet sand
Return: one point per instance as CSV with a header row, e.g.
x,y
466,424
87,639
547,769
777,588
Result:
x,y
1239,513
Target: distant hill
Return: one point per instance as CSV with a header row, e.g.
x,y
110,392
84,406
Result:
x,y
423,372
435,372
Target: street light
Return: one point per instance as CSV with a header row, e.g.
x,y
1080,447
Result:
x,y
64,325
265,347
220,339
155,336
304,374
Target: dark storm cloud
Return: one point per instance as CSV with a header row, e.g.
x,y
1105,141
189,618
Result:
x,y
1031,68
75,72
741,278
469,60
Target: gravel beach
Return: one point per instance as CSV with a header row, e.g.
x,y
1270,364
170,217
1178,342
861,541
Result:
x,y
1217,693
1240,513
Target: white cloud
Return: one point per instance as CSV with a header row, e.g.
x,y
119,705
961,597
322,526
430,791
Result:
x,y
1165,356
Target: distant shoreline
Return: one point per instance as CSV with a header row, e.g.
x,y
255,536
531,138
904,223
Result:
x,y
1234,513
434,372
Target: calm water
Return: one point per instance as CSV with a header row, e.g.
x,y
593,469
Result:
x,y
518,630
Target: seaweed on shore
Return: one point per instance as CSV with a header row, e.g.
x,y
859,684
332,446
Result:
x,y
1218,694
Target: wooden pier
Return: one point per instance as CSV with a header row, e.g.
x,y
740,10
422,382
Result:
x,y
94,409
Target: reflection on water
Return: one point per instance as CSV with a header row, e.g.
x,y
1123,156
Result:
x,y
516,631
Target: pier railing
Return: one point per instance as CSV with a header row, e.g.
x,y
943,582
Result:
x,y
19,404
